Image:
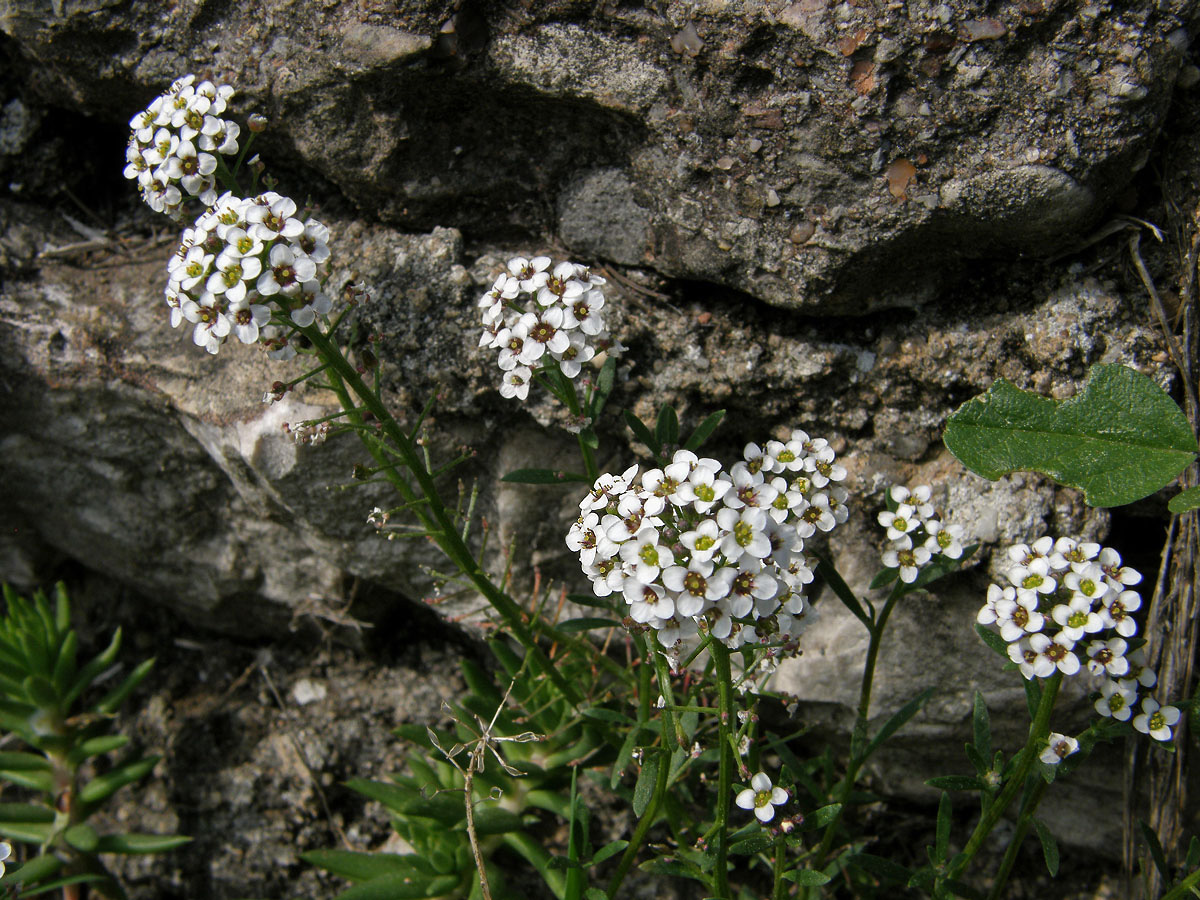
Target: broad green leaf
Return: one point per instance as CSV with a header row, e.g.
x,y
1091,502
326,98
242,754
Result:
x,y
1185,500
366,866
542,476
1049,847
1120,439
140,843
643,791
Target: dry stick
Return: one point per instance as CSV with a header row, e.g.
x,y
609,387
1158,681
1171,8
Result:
x,y
1173,604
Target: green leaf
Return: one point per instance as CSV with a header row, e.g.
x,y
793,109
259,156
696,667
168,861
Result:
x,y
28,832
703,431
992,639
594,893
366,866
609,850
25,812
585,624
104,786
643,791
827,571
959,889
34,870
91,671
1049,847
23,761
82,837
140,843
1033,695
38,780
542,476
642,433
823,816
944,822
624,755
1156,851
1120,439
45,887
675,867
807,877
666,429
604,386
401,887
898,719
114,698
955,783
982,725
97,746
1185,500
756,843
879,865
606,715
495,820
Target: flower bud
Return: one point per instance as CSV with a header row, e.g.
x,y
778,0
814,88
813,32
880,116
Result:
x,y
257,123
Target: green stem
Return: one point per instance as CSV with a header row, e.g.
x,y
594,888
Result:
x,y
858,739
778,892
720,655
345,379
666,725
1010,855
1038,729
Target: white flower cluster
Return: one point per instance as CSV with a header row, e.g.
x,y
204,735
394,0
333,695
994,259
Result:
x,y
916,532
1068,605
238,257
691,547
535,313
174,142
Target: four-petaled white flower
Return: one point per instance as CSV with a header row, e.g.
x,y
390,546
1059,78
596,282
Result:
x,y
1058,747
762,797
1156,720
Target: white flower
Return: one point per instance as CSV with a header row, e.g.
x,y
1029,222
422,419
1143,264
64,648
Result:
x,y
761,797
516,383
944,539
5,853
1058,748
902,555
1156,721
900,522
1107,657
1116,700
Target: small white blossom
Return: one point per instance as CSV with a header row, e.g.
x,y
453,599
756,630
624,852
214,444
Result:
x,y
1156,720
762,797
1058,748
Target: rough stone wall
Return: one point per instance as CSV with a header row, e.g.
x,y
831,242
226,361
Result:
x,y
849,217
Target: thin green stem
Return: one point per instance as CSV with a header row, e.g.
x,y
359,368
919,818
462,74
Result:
x,y
345,379
858,739
1038,729
1010,855
720,656
778,892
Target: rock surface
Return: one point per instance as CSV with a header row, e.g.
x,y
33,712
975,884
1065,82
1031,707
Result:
x,y
827,215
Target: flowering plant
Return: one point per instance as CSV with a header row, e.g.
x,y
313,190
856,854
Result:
x,y
702,578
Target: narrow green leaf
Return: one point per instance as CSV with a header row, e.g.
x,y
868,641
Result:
x,y
1156,850
977,760
609,850
1049,847
982,726
594,893
1193,855
140,843
113,699
1120,439
826,814
955,783
17,761
883,578
606,715
642,433
592,601
807,877
401,887
1185,500
542,476
944,822
104,786
879,865
64,666
604,386
41,692
703,431
993,640
756,843
589,438
1033,696
624,755
28,832
93,668
675,867
35,779
572,626
666,429
356,867
829,572
959,889
34,870
45,887
643,791
898,719
62,609
495,820
82,837
25,812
